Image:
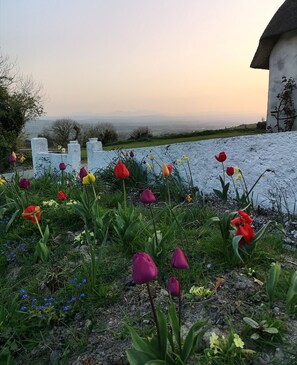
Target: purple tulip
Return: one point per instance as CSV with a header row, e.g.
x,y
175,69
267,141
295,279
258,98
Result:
x,y
143,268
173,287
147,197
131,154
178,259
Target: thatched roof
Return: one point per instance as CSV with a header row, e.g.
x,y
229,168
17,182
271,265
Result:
x,y
284,20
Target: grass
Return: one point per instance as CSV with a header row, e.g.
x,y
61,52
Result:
x,y
74,288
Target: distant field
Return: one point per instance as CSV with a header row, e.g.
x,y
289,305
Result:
x,y
191,137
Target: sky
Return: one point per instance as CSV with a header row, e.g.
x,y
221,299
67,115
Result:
x,y
171,57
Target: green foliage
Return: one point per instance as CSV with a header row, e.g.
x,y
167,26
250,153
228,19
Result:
x,y
272,280
291,298
127,226
222,194
260,329
172,349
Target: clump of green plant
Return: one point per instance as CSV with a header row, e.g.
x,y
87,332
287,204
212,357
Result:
x,y
291,298
272,280
260,329
284,112
228,350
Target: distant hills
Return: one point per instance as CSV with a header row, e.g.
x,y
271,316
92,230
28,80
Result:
x,y
124,123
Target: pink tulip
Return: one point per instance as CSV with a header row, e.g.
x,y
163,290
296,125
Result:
x,y
147,197
178,259
143,268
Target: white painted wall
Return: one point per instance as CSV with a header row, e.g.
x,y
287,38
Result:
x,y
43,160
252,154
282,62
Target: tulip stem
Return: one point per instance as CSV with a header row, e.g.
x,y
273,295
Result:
x,y
95,196
38,225
154,315
223,171
154,224
124,192
168,190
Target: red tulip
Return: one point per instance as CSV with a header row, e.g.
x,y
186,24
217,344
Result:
x,y
32,213
173,287
121,171
62,166
169,167
221,157
243,227
143,268
62,196
24,183
178,259
230,170
147,197
82,173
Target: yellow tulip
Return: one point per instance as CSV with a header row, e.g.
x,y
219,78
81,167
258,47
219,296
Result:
x,y
151,157
2,181
22,158
89,179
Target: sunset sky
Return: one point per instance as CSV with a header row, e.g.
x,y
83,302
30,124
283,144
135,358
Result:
x,y
173,57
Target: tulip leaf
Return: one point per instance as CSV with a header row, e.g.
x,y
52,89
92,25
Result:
x,y
261,231
174,322
273,278
235,245
13,217
156,362
136,357
292,292
163,333
141,345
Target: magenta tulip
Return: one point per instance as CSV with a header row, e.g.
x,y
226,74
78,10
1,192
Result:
x,y
144,269
173,287
147,197
82,173
62,166
178,259
24,183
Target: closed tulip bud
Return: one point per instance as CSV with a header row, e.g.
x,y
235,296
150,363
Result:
x,y
173,287
144,269
82,173
62,166
147,197
121,171
169,168
165,170
131,154
178,259
230,170
24,183
62,196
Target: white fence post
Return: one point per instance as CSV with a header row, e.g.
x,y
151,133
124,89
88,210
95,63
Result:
x,y
40,155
